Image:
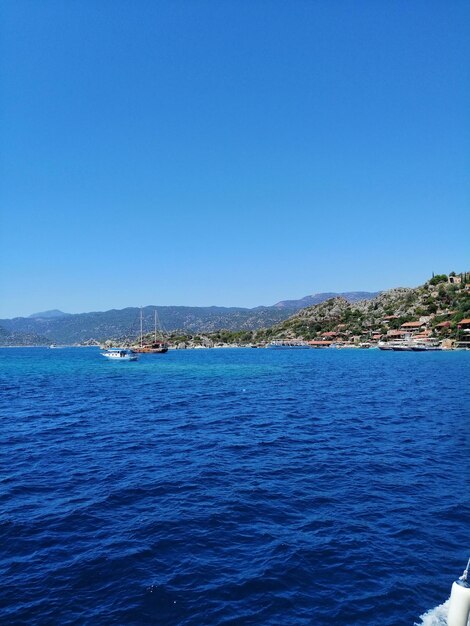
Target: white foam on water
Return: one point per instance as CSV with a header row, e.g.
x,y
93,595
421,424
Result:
x,y
436,616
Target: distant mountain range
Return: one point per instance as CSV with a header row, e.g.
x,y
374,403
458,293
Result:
x,y
65,328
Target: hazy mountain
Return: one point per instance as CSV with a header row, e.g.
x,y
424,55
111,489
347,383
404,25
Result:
x,y
65,328
54,313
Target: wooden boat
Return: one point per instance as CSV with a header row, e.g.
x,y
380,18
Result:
x,y
157,346
154,348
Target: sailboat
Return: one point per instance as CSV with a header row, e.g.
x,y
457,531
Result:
x,y
157,347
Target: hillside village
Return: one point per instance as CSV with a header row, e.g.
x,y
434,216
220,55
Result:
x,y
438,311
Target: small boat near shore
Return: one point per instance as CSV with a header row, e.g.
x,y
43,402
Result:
x,y
120,354
157,346
154,348
284,345
409,346
385,345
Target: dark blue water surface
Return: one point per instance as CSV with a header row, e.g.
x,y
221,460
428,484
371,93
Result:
x,y
232,486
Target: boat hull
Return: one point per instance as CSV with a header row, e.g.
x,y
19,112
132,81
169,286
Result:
x,y
151,350
286,345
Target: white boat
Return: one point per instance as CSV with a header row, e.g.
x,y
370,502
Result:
x,y
398,345
287,344
426,347
120,354
408,346
402,347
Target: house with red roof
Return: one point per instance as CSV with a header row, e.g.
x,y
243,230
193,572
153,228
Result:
x,y
396,334
443,325
413,327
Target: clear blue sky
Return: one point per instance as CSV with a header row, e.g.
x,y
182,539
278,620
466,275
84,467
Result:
x,y
230,152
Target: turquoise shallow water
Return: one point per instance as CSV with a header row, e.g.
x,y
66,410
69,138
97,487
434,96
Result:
x,y
232,486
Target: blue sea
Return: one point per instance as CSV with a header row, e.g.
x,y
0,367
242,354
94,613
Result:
x,y
232,486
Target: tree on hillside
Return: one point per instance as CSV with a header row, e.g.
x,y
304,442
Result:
x,y
438,278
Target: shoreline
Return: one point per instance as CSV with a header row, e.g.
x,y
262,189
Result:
x,y
348,347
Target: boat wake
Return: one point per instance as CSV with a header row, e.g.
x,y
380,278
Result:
x,y
436,616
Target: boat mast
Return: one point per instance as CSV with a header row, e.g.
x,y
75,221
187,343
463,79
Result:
x,y
141,329
155,334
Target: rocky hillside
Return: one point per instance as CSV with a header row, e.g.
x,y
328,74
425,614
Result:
x,y
441,304
22,339
318,298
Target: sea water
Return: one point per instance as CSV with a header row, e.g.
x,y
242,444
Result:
x,y
233,486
